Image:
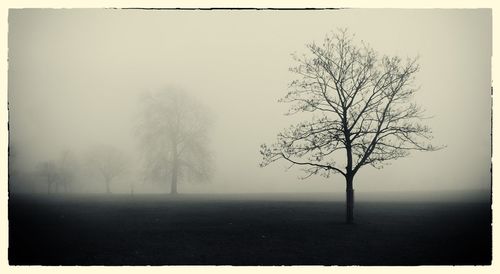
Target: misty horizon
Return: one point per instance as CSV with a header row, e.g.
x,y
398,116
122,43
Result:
x,y
76,78
351,137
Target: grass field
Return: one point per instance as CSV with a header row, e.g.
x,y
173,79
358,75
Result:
x,y
243,230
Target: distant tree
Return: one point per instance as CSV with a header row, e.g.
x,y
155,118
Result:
x,y
48,170
59,173
173,134
67,167
108,161
363,112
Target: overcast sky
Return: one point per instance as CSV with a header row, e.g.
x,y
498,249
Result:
x,y
75,77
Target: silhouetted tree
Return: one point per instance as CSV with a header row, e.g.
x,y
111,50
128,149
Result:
x,y
59,173
363,112
48,170
67,166
108,161
173,133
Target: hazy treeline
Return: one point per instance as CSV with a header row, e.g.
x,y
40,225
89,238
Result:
x,y
172,144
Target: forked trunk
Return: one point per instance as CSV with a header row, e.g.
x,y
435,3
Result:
x,y
349,200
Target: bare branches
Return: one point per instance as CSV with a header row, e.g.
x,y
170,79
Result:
x,y
314,143
173,134
365,105
109,161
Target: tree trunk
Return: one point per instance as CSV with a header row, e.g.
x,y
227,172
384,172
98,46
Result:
x,y
175,167
108,189
349,200
173,187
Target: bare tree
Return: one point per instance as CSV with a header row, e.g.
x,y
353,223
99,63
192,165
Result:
x,y
48,170
173,133
108,161
67,166
60,172
362,108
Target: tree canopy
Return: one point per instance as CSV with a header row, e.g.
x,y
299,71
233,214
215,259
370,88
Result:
x,y
173,134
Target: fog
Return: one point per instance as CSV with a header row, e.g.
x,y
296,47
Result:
x,y
76,77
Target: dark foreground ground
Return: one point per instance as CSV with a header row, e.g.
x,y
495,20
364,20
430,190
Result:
x,y
243,230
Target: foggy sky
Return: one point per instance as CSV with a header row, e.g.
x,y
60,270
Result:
x,y
75,77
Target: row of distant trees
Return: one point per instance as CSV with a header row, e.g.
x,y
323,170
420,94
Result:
x,y
172,135
59,175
